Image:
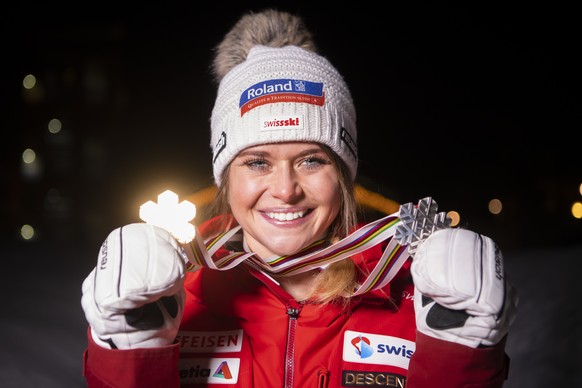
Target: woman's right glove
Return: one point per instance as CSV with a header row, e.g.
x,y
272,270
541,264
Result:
x,y
462,294
134,297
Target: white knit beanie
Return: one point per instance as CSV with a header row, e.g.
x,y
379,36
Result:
x,y
281,94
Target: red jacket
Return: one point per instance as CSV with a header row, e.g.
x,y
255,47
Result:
x,y
241,329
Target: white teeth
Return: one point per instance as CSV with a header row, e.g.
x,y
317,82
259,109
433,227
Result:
x,y
286,216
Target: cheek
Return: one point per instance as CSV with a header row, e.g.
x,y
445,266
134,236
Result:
x,y
332,185
335,200
327,190
243,193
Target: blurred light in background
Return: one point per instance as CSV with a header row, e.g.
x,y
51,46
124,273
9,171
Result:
x,y
29,156
455,217
31,167
27,232
495,206
55,126
33,92
375,201
29,81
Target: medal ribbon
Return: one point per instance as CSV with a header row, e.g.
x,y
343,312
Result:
x,y
317,255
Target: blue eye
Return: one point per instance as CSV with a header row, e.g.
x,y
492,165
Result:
x,y
314,162
256,164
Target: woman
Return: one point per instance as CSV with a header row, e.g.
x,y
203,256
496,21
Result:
x,y
277,294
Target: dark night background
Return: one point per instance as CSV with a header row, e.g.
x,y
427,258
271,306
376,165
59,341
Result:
x,y
460,102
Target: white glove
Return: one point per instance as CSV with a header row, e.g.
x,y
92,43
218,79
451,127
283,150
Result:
x,y
461,291
134,297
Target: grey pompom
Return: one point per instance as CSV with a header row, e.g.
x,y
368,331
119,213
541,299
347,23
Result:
x,y
268,28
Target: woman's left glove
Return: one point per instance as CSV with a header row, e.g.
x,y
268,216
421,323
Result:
x,y
462,294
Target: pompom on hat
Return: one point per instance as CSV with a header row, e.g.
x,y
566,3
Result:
x,y
274,88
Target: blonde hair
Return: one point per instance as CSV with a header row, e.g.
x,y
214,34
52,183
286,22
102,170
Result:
x,y
338,281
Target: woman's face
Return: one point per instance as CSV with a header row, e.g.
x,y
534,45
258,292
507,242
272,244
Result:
x,y
285,196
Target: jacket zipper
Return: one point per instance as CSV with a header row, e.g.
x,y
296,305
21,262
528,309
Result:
x,y
293,311
322,377
293,314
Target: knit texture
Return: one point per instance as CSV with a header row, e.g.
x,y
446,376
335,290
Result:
x,y
279,95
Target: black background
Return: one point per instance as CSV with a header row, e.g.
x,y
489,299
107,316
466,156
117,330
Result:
x,y
460,102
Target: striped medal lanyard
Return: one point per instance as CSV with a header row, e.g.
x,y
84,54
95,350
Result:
x,y
403,231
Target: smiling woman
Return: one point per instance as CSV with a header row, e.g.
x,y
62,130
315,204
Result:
x,y
287,196
306,293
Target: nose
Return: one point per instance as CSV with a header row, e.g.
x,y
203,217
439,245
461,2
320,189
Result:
x,y
284,184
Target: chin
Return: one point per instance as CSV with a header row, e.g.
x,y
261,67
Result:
x,y
284,248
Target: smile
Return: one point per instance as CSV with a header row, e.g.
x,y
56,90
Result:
x,y
286,216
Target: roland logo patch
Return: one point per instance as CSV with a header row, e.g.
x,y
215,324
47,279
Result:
x,y
281,90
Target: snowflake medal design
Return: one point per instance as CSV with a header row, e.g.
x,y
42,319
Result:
x,y
418,222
